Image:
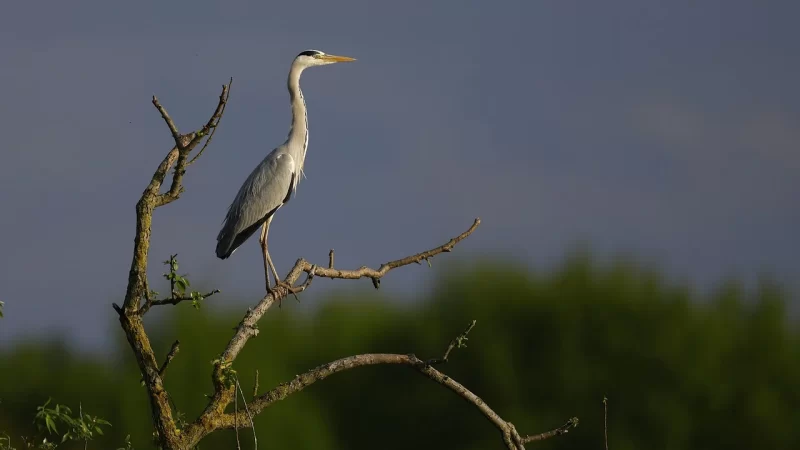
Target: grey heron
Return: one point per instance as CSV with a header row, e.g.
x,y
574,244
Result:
x,y
274,180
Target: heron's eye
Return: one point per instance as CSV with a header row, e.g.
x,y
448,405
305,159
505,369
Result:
x,y
317,55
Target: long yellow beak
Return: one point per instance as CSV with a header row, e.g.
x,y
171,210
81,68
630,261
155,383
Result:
x,y
335,58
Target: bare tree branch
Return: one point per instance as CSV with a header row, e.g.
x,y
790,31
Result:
x,y
137,288
172,352
605,421
170,124
255,386
563,429
185,143
223,102
173,301
176,346
376,274
151,198
457,342
247,411
247,328
300,382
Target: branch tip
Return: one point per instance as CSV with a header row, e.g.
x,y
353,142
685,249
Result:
x,y
563,429
457,342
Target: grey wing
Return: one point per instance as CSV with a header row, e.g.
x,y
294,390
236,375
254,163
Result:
x,y
268,187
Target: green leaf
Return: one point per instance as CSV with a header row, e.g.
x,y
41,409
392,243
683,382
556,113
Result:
x,y
51,425
180,284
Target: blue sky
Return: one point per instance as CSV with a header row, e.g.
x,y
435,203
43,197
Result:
x,y
665,130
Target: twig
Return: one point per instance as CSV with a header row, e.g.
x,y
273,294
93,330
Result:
x,y
255,386
249,416
457,342
172,128
172,265
224,103
330,259
563,429
605,421
170,355
176,346
148,302
173,301
236,421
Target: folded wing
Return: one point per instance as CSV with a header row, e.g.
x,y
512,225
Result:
x,y
268,187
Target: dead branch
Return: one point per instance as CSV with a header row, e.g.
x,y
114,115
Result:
x,y
176,346
247,327
508,431
605,421
172,352
214,123
457,342
173,301
374,274
563,429
185,143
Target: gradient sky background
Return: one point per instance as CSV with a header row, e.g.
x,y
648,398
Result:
x,y
666,130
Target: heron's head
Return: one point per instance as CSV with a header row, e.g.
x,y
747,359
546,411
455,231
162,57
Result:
x,y
310,58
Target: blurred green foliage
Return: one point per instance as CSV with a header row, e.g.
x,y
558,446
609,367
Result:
x,y
680,371
80,427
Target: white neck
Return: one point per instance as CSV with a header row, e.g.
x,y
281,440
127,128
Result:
x,y
297,141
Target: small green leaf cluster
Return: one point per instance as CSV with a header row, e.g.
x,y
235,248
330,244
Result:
x,y
180,283
83,427
80,428
227,373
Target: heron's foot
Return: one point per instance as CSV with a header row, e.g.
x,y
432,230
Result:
x,y
280,284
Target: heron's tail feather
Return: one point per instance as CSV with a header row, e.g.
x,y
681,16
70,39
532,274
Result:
x,y
225,245
228,240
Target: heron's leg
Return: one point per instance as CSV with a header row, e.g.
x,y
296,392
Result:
x,y
268,265
263,242
274,272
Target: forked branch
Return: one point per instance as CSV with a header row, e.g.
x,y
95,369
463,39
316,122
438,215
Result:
x,y
185,143
511,437
374,274
247,327
137,288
